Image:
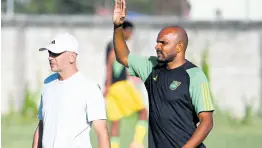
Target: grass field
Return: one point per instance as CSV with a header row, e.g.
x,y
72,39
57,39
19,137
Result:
x,y
18,132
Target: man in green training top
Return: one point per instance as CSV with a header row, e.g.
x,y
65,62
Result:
x,y
178,91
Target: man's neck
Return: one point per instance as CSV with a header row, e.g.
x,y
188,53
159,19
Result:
x,y
67,74
177,62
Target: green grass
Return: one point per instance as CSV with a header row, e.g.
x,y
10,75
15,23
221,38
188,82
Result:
x,y
18,132
228,133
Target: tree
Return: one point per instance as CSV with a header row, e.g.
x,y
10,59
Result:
x,y
56,7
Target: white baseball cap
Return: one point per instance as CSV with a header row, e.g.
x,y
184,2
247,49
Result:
x,y
62,42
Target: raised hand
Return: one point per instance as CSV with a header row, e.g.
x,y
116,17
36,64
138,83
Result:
x,y
119,12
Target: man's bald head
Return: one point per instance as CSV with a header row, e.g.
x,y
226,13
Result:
x,y
171,43
178,32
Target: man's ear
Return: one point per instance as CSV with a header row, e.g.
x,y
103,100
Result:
x,y
179,47
72,58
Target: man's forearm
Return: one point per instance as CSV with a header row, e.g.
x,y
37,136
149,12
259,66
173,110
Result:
x,y
120,47
37,139
103,140
199,135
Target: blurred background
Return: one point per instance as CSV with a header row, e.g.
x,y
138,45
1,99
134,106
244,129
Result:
x,y
225,40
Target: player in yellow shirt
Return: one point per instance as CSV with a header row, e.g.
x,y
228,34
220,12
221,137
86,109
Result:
x,y
122,98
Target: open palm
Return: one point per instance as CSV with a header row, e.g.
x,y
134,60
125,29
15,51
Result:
x,y
119,12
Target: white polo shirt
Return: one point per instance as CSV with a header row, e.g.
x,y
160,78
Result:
x,y
67,110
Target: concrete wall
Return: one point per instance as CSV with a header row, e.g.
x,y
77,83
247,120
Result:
x,y
234,55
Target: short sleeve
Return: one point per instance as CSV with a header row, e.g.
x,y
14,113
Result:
x,y
141,66
95,103
199,91
40,114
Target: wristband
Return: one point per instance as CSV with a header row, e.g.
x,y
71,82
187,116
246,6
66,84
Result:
x,y
117,26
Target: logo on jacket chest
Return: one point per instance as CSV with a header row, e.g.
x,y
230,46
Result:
x,y
174,85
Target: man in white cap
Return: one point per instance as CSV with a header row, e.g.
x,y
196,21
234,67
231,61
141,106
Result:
x,y
70,103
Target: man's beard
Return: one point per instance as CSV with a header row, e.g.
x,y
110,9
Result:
x,y
165,61
162,61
